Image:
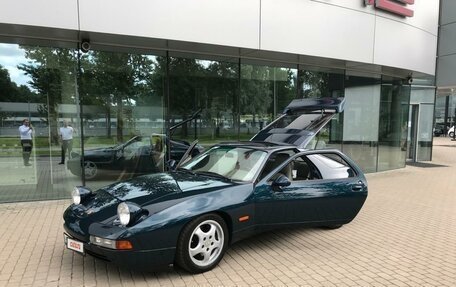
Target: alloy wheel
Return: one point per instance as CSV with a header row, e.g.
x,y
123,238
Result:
x,y
206,243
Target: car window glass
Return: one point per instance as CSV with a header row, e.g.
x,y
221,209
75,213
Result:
x,y
331,166
274,160
299,169
236,163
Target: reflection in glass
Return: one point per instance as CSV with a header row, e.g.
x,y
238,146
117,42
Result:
x,y
123,110
211,86
423,98
425,132
265,92
394,112
38,84
361,120
320,83
316,82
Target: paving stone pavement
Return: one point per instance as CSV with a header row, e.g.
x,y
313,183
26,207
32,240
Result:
x,y
405,235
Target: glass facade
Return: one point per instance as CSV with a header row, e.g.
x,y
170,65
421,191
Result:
x,y
38,85
207,85
265,90
123,114
423,98
361,119
445,107
392,134
109,111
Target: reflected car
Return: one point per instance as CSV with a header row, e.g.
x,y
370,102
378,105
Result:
x,y
451,132
191,214
139,155
439,129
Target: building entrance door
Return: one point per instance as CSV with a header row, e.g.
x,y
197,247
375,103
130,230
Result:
x,y
412,139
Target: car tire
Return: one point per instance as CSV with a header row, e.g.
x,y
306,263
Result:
x,y
202,243
90,169
451,134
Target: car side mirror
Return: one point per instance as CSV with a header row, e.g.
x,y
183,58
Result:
x,y
281,181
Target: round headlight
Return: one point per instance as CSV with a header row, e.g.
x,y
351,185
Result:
x,y
124,213
76,195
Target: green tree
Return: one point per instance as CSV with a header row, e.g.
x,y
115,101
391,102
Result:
x,y
256,91
187,83
116,81
220,102
314,84
11,92
285,87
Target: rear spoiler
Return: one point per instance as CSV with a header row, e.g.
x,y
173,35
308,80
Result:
x,y
316,104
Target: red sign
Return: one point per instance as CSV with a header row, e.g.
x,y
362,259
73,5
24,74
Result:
x,y
398,7
75,245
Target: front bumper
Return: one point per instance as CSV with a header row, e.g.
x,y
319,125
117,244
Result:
x,y
144,260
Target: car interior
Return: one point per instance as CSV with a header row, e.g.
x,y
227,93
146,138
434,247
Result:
x,y
298,169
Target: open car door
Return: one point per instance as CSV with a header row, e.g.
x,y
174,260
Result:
x,y
301,121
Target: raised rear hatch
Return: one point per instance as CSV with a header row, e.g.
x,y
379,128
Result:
x,y
301,121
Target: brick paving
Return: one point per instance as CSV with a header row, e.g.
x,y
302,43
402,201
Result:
x,y
405,235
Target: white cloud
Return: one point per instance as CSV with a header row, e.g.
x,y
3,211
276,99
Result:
x,y
10,57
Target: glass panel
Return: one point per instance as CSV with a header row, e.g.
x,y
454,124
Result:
x,y
412,132
452,111
123,112
425,132
317,83
38,85
265,92
441,124
228,162
394,112
211,86
420,95
331,166
361,120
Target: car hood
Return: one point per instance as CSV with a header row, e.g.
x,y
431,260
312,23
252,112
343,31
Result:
x,y
143,190
159,187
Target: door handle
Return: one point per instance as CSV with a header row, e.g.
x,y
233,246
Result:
x,y
357,187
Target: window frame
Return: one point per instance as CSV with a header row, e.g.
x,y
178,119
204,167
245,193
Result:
x,y
349,163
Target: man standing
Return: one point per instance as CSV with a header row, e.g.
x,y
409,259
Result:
x,y
66,135
25,131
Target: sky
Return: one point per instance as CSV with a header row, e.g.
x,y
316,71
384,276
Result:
x,y
10,57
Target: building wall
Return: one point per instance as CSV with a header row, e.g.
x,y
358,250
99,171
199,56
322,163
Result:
x,y
339,29
447,46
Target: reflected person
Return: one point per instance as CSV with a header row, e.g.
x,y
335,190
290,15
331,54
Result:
x,y
66,136
26,131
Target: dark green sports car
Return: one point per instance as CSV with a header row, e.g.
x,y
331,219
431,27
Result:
x,y
189,216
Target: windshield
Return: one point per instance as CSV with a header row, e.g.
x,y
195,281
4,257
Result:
x,y
234,163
